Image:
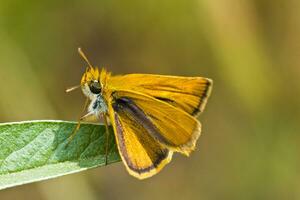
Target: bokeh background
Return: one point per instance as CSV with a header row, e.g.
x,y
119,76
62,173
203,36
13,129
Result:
x,y
251,49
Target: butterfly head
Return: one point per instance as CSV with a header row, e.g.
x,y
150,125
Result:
x,y
91,82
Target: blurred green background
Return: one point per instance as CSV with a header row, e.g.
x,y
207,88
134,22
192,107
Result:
x,y
251,49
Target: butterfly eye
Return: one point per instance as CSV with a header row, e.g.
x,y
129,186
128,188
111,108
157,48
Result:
x,y
95,87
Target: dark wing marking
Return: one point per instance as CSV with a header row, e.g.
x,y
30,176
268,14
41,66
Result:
x,y
142,154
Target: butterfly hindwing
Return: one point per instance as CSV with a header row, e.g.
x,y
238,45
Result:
x,y
187,93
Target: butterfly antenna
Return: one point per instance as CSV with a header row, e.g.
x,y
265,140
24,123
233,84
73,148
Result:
x,y
84,57
70,89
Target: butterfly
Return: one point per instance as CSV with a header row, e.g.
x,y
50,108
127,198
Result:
x,y
152,116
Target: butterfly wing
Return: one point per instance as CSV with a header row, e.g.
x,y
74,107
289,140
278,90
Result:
x,y
171,127
142,155
187,93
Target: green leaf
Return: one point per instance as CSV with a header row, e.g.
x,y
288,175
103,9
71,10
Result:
x,y
37,150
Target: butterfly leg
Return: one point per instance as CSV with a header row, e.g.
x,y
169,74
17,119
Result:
x,y
107,136
78,124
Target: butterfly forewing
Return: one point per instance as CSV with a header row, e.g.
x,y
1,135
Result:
x,y
142,154
171,127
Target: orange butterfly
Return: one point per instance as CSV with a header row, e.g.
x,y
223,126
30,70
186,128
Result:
x,y
152,115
